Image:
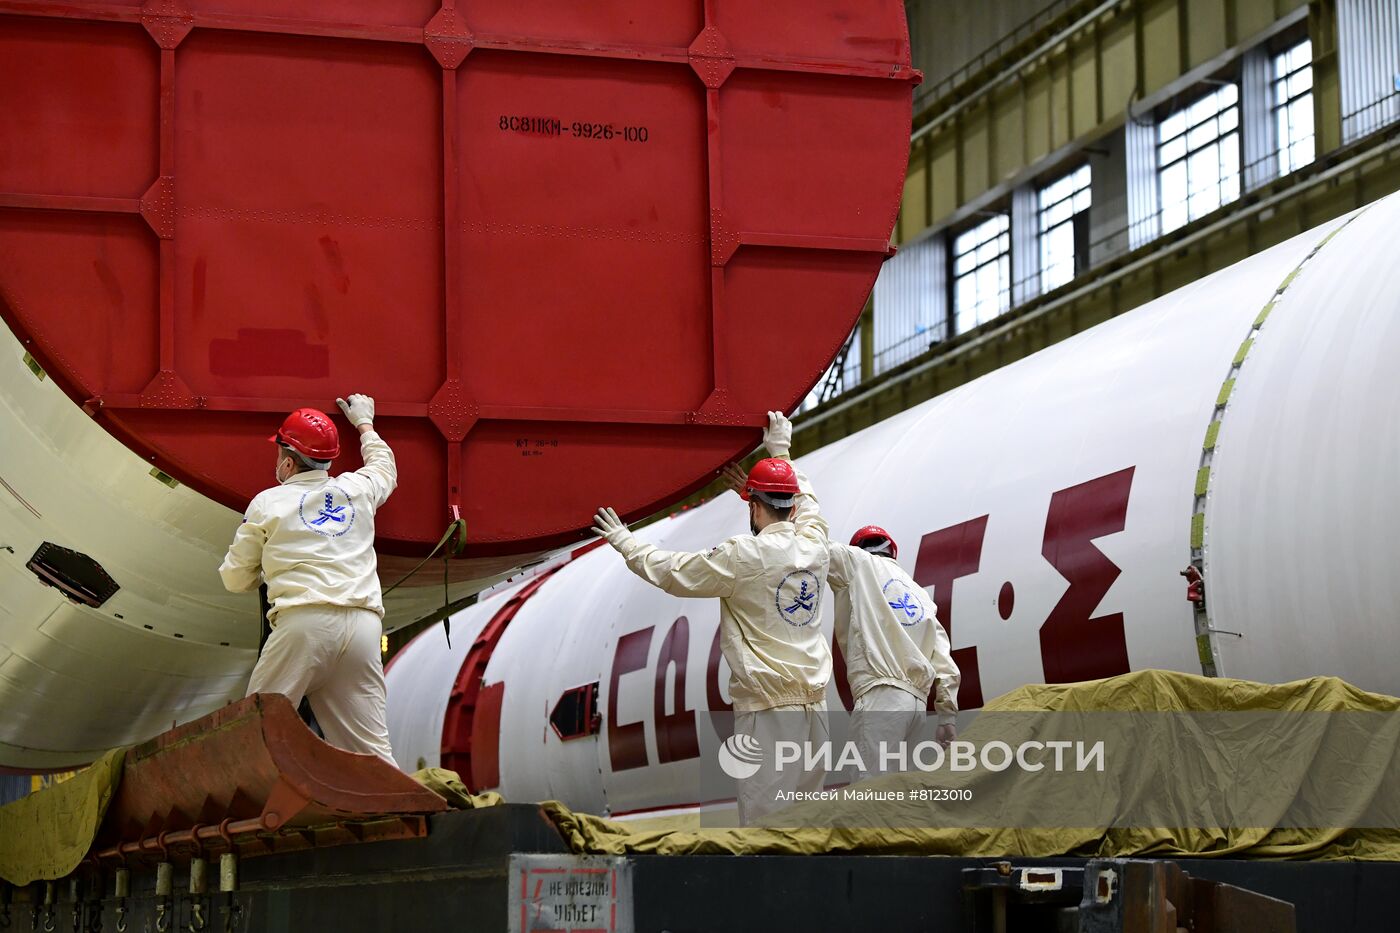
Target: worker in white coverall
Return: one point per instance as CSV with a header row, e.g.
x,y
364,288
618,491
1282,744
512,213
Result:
x,y
769,586
895,649
311,539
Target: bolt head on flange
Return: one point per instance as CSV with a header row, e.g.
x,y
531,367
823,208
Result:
x,y
448,38
167,22
710,57
453,410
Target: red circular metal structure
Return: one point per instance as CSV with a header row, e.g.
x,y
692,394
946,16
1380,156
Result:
x,y
554,240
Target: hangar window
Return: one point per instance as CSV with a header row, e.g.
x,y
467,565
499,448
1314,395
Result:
x,y
1198,157
1293,107
1063,213
981,273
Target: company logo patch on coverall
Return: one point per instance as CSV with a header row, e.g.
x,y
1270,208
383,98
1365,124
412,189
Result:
x,y
907,607
328,511
799,596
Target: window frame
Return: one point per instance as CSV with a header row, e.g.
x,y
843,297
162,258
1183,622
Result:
x,y
1285,161
984,218
1218,87
1077,220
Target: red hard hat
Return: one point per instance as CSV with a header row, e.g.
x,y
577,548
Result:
x,y
775,477
874,534
310,433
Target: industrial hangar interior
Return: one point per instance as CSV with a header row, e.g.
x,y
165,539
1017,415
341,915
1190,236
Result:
x,y
1077,319
1069,163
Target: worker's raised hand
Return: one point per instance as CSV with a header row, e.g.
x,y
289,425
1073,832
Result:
x,y
614,530
777,437
945,734
359,409
734,477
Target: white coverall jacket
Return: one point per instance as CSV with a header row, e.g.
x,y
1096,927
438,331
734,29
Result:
x,y
311,540
769,587
887,630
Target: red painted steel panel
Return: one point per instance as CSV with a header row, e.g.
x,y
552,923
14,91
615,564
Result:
x,y
575,250
485,759
406,13
69,127
816,30
664,23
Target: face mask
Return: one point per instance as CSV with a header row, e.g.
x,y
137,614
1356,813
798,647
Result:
x,y
277,472
753,522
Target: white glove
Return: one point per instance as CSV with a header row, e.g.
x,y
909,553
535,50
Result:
x,y
614,530
359,409
777,437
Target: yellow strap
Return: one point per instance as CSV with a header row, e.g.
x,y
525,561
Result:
x,y
458,528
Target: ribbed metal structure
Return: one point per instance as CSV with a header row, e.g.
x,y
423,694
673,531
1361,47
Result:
x,y
1368,39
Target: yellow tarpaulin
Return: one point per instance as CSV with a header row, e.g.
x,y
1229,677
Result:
x,y
1293,755
448,785
45,835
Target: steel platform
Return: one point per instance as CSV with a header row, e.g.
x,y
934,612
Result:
x,y
506,868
